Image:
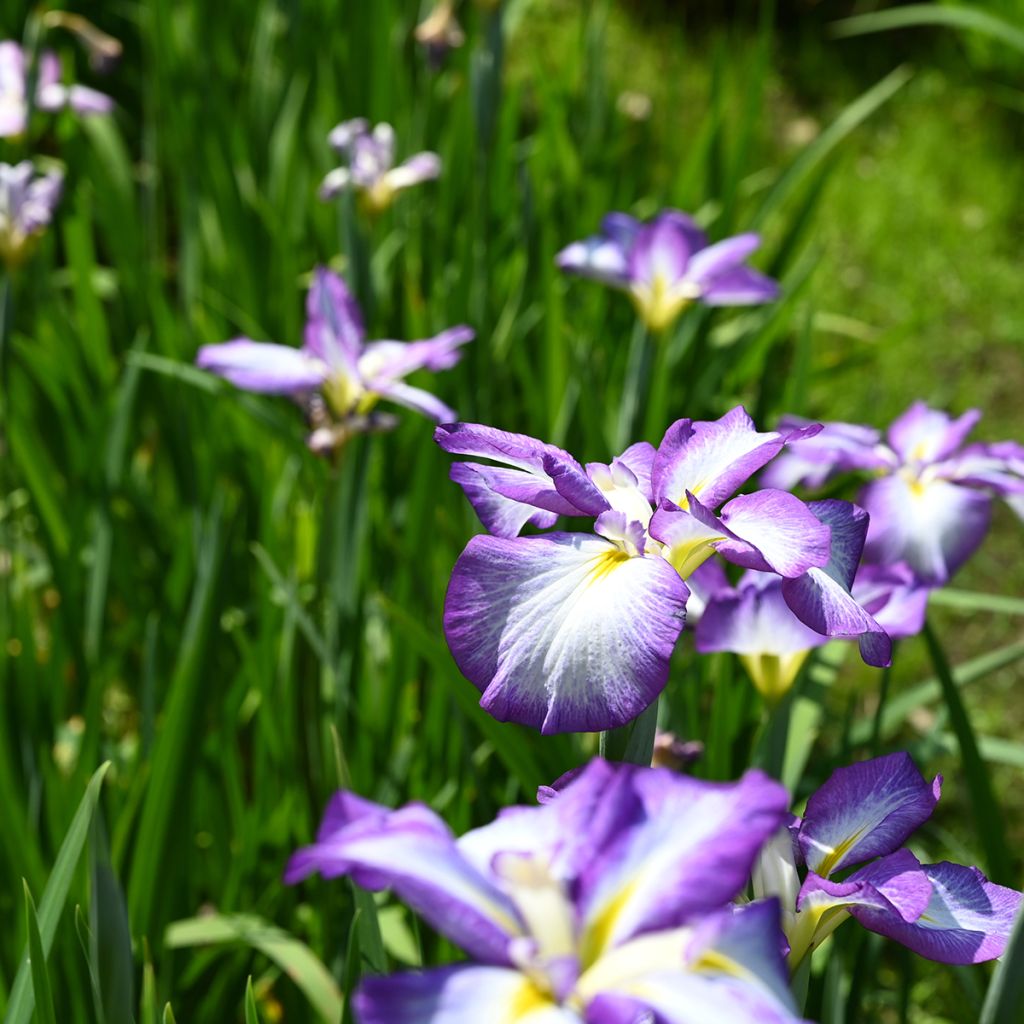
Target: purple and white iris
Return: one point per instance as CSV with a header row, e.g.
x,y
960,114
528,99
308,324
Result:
x,y
574,631
370,167
667,264
51,93
608,904
931,499
27,201
337,363
862,816
753,621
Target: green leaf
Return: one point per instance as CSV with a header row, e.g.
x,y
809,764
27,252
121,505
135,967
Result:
x,y
169,1015
110,936
251,1016
37,959
1005,995
969,601
295,958
944,15
987,815
19,1009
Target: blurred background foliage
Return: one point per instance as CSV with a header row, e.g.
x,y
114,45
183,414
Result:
x,y
239,627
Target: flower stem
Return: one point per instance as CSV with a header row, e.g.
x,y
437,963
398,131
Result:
x,y
635,387
632,743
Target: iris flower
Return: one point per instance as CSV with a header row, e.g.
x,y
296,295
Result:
x,y
370,165
667,264
753,621
862,816
608,904
931,497
51,93
336,361
27,201
574,631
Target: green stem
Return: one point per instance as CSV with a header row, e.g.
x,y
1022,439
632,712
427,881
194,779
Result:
x,y
636,385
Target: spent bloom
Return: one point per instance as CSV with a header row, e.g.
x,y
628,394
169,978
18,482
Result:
x,y
346,374
574,631
27,200
51,93
667,264
440,32
862,816
370,168
609,902
930,496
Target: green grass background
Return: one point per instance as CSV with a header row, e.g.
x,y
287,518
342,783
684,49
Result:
x,y
238,626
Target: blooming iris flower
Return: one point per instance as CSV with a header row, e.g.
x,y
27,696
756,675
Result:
x,y
667,264
27,201
337,362
862,816
370,165
608,904
51,93
574,631
754,621
931,499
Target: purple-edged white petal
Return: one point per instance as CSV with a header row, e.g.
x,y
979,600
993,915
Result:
x,y
488,489
414,171
383,361
865,810
563,632
723,256
263,366
836,448
821,598
926,435
893,596
600,258
334,324
998,467
967,920
416,399
334,183
457,995
741,286
483,442
412,852
689,540
639,458
83,100
711,459
934,526
692,852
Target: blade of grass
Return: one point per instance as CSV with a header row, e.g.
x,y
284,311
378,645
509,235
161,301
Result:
x,y
251,1016
37,959
1005,995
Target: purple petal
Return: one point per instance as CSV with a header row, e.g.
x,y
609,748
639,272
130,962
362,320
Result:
x,y
934,527
836,448
706,582
723,256
821,597
263,366
334,325
691,853
455,995
412,852
416,399
893,597
342,135
967,920
621,228
488,489
573,484
389,360
485,442
661,251
689,538
741,286
639,458
711,459
789,539
563,632
865,810
928,435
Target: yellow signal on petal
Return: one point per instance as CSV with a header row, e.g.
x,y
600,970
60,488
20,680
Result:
x,y
688,556
837,853
529,999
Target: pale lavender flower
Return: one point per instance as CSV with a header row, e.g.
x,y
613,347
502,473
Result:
x,y
862,816
668,264
930,496
51,93
336,367
370,167
574,631
27,201
609,903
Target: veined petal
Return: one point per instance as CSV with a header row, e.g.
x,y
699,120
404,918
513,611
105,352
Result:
x,y
263,366
711,459
865,810
691,853
928,435
334,324
967,920
563,632
741,286
933,526
573,484
492,491
418,400
789,539
412,852
383,361
457,995
821,597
